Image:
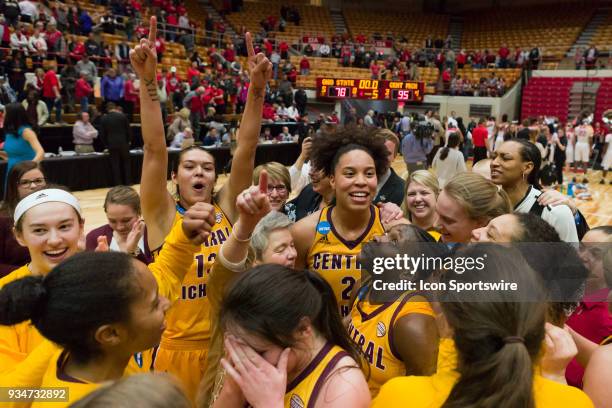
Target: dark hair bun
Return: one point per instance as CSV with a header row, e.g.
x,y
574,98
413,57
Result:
x,y
22,300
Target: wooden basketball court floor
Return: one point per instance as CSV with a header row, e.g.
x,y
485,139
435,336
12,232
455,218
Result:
x,y
597,211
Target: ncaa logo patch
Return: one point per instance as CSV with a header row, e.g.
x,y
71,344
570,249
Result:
x,y
381,329
138,359
218,217
323,227
296,402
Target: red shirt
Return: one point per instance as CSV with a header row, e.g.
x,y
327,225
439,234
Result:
x,y
461,58
172,19
292,75
479,136
82,89
52,39
172,83
192,72
593,320
160,46
446,76
268,46
136,5
79,49
49,81
375,69
268,112
504,52
181,9
141,31
219,99
283,46
304,64
230,55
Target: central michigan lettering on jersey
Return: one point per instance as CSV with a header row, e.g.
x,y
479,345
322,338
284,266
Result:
x,y
369,348
328,261
198,290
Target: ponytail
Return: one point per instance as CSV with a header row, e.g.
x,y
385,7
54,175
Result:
x,y
22,300
498,335
78,296
444,153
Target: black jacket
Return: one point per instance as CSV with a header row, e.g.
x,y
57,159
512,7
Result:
x,y
115,131
392,191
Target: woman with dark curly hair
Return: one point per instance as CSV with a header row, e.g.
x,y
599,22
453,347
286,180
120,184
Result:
x,y
329,240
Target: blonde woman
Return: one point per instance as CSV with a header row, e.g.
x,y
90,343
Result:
x,y
419,206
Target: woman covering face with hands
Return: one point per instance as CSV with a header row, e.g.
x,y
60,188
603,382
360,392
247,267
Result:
x,y
184,345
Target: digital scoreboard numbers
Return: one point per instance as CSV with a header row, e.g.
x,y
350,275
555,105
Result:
x,y
339,88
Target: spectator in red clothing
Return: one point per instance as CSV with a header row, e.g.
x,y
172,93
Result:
x,y
76,49
130,96
304,66
439,61
374,69
480,136
51,94
268,46
219,100
141,31
52,35
268,113
461,59
292,76
284,49
171,26
193,72
334,118
361,39
160,46
173,84
503,53
229,54
82,91
446,79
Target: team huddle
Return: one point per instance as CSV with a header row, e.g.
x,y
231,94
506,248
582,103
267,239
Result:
x,y
240,305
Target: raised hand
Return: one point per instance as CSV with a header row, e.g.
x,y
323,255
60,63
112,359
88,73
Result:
x,y
560,350
131,242
144,57
198,222
253,203
260,68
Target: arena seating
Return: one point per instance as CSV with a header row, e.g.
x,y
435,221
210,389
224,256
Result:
x,y
603,37
553,28
314,21
414,26
550,96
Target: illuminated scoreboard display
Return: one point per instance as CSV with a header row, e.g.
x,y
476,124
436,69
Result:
x,y
337,88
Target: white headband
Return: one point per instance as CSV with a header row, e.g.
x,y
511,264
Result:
x,y
46,196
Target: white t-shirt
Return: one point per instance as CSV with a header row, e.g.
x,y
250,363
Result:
x,y
560,217
445,169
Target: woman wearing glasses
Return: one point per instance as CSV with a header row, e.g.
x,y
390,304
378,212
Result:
x,y
24,178
279,185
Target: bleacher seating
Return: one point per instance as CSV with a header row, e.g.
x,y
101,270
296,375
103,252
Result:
x,y
314,20
550,96
414,26
603,37
553,28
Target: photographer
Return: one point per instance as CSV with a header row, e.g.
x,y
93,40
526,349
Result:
x,y
417,144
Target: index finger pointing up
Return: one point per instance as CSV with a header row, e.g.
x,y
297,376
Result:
x,y
263,182
249,44
152,31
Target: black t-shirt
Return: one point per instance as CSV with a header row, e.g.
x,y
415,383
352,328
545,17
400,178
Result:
x,y
523,134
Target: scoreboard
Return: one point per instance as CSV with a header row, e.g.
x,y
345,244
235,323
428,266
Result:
x,y
374,89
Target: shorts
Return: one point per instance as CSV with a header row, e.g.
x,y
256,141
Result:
x,y
188,364
606,163
581,152
569,153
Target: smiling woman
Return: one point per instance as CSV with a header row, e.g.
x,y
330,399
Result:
x,y
49,224
329,240
125,231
